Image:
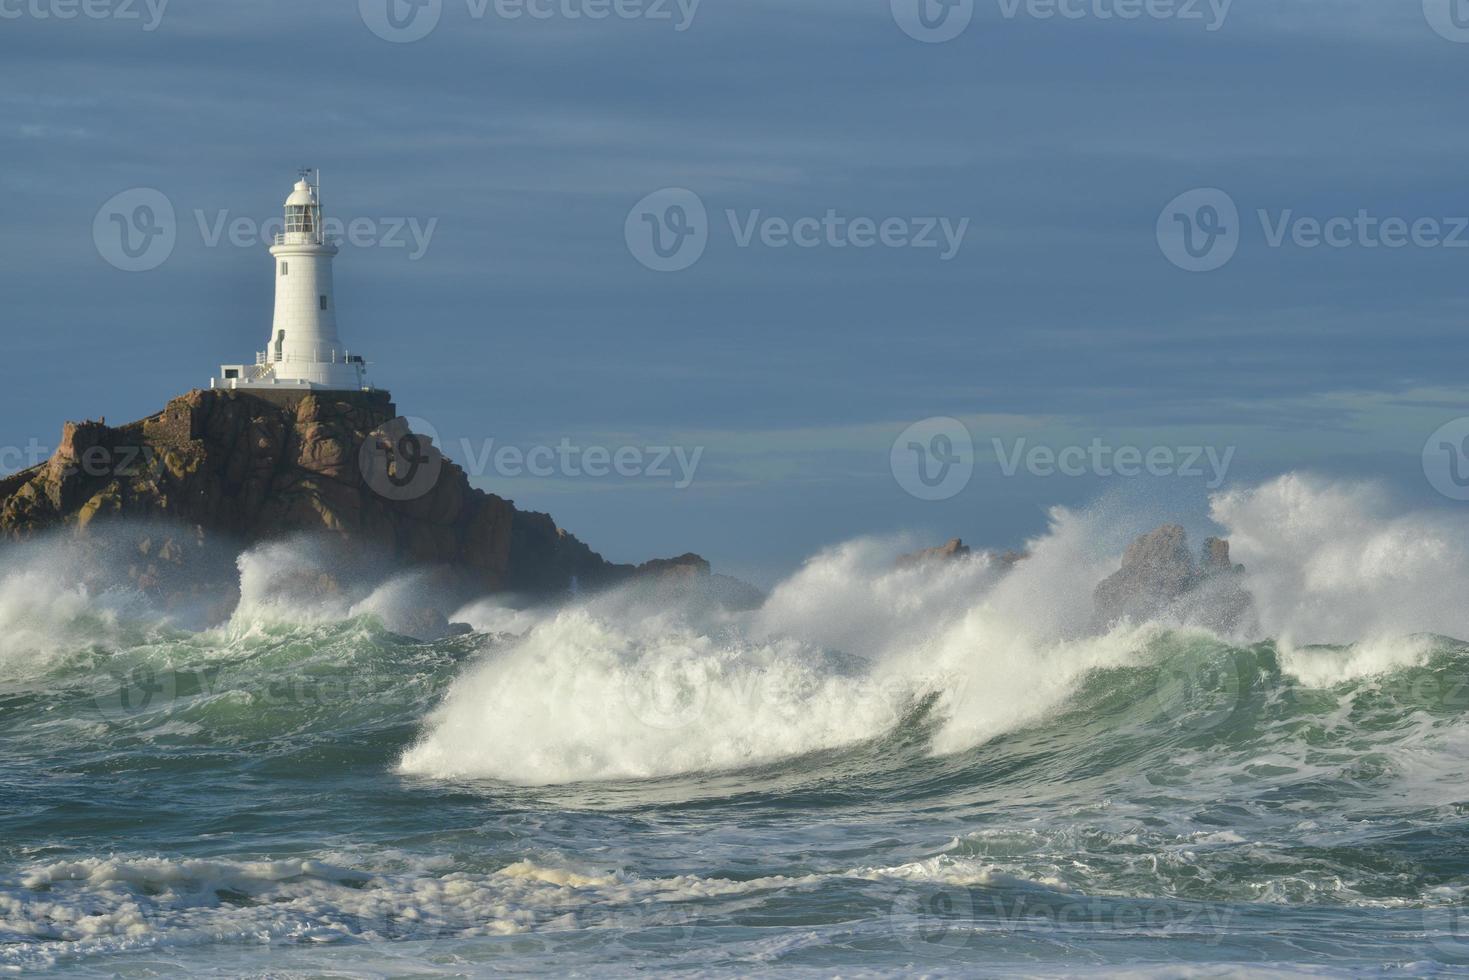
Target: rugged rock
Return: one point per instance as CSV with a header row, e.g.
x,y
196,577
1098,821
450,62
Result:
x,y
238,469
1160,577
957,549
946,552
689,578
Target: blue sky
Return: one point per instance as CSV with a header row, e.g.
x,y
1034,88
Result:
x,y
528,319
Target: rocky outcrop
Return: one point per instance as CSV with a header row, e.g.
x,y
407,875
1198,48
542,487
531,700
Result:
x,y
237,469
945,552
956,550
1160,577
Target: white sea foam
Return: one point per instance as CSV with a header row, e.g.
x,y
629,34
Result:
x,y
840,654
623,686
845,647
308,581
46,613
66,909
1331,562
495,617
1329,666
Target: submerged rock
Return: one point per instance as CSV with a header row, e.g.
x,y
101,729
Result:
x,y
947,552
956,550
1160,578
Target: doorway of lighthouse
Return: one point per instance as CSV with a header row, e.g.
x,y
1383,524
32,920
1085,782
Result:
x,y
280,341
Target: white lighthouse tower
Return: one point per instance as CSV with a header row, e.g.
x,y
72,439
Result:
x,y
304,351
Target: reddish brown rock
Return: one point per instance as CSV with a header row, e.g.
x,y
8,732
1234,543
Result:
x,y
947,552
221,467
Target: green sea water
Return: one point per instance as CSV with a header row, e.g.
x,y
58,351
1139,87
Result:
x,y
880,771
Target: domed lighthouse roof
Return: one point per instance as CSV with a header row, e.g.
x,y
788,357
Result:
x,y
302,196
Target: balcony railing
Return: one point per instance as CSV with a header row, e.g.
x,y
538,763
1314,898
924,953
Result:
x,y
305,238
317,357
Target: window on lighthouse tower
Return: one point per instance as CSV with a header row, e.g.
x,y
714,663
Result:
x,y
299,219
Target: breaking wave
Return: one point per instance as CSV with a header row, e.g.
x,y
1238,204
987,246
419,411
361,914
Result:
x,y
851,647
960,727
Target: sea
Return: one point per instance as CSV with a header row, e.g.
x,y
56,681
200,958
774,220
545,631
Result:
x,y
940,769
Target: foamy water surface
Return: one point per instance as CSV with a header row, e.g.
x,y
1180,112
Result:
x,y
939,768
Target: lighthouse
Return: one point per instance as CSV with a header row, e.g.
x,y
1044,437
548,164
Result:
x,y
304,350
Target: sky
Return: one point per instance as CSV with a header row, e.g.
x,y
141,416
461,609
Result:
x,y
792,240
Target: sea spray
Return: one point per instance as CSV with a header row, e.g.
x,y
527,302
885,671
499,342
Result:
x,y
931,763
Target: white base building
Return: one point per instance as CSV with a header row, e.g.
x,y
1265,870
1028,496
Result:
x,y
304,351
